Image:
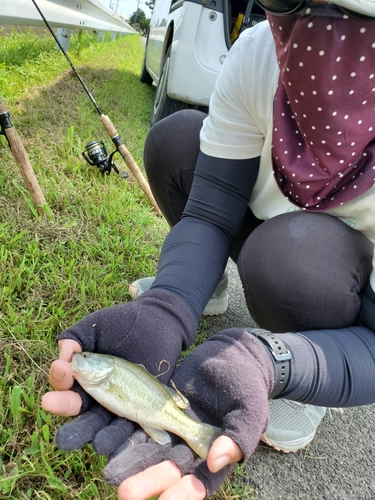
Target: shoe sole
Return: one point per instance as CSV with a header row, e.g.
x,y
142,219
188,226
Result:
x,y
292,447
215,307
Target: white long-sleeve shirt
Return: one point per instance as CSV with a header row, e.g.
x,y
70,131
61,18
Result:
x,y
240,126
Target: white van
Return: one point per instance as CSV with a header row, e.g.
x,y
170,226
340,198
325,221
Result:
x,y
186,45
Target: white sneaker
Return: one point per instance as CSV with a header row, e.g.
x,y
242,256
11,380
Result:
x,y
218,303
292,425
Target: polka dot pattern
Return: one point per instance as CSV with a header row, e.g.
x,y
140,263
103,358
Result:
x,y
324,109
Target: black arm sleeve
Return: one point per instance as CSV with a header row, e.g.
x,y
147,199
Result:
x,y
196,250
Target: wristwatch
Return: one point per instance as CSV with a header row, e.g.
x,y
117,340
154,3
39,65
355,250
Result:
x,y
281,356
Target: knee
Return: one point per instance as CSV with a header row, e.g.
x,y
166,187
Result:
x,y
176,136
170,155
304,271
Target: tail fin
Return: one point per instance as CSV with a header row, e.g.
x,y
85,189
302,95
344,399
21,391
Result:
x,y
202,441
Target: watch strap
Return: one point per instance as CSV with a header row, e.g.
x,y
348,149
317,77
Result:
x,y
281,356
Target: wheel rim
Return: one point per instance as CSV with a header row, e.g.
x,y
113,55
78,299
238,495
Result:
x,y
161,91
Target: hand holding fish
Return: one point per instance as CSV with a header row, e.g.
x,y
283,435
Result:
x,y
164,477
152,331
227,381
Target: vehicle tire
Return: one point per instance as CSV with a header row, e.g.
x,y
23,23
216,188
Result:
x,y
144,76
163,104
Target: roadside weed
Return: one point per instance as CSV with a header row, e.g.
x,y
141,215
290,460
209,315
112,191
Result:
x,y
103,234
100,234
235,487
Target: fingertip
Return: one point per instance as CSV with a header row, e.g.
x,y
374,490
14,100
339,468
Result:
x,y
66,349
224,451
47,401
188,488
64,403
61,375
218,463
150,482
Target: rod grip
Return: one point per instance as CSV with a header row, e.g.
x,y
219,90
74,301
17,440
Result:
x,y
19,153
130,162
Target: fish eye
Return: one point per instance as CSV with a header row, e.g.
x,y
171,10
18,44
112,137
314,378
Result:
x,y
85,355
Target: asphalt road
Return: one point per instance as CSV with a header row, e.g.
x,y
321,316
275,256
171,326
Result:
x,y
340,462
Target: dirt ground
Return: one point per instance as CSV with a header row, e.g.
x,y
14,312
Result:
x,y
339,464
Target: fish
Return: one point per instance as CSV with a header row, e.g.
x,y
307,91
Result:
x,y
130,391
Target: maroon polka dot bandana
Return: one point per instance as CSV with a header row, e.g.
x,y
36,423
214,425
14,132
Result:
x,y
324,110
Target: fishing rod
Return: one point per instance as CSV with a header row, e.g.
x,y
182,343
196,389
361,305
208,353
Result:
x,y
96,152
20,155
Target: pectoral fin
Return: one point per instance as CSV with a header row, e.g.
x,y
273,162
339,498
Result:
x,y
158,435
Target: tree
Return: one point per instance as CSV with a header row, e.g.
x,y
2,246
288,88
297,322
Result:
x,y
150,4
139,17
146,24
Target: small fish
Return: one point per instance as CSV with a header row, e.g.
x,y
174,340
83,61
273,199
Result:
x,y
130,391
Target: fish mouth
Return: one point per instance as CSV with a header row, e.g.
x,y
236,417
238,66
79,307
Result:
x,y
76,368
74,362
91,373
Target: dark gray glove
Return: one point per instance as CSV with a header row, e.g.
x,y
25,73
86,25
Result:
x,y
227,381
153,331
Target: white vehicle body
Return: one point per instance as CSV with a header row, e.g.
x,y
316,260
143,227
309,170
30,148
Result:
x,y
186,46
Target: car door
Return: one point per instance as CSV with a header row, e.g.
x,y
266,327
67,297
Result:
x,y
157,32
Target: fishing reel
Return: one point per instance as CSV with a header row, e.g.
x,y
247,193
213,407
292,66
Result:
x,y
96,154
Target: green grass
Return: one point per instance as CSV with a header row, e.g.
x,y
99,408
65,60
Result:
x,y
101,234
